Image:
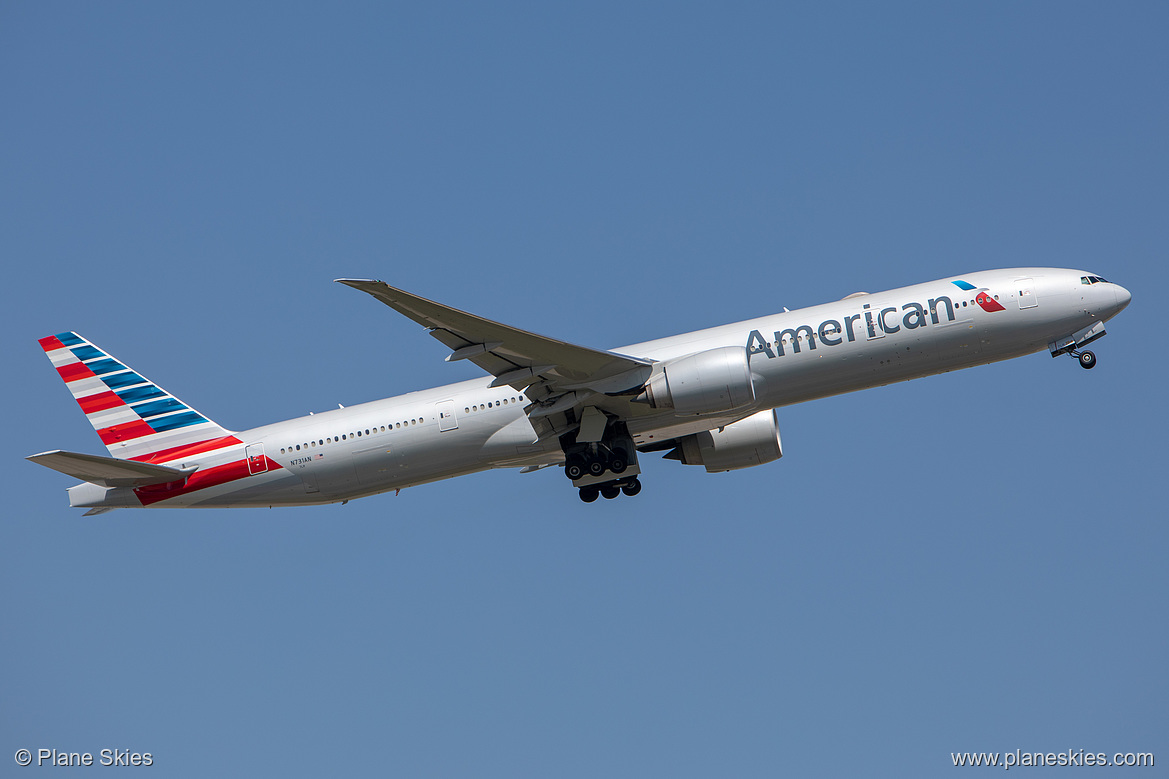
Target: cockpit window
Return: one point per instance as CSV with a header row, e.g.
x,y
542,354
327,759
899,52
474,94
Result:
x,y
1084,280
1093,280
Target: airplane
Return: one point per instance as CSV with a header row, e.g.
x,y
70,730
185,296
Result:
x,y
704,398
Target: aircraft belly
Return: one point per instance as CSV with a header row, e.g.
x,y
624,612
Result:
x,y
516,443
428,454
825,371
274,489
333,475
956,343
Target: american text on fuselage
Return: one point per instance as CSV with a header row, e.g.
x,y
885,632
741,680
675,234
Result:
x,y
832,332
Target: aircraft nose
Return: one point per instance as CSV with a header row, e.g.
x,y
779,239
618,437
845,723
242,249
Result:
x,y
1123,296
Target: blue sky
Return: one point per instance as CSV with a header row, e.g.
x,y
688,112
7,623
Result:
x,y
969,562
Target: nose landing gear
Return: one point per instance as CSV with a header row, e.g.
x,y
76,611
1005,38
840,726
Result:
x,y
1074,343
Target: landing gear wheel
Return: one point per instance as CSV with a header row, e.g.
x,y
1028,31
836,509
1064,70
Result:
x,y
589,494
619,462
596,467
632,488
574,469
608,492
1087,360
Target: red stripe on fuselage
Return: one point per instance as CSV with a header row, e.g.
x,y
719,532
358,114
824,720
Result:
x,y
188,450
125,432
988,303
200,480
74,371
50,343
99,402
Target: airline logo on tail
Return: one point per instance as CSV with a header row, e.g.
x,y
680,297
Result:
x,y
983,298
134,417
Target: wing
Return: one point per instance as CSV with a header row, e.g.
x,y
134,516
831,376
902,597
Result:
x,y
557,375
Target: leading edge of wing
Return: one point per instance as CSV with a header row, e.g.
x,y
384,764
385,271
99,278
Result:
x,y
515,357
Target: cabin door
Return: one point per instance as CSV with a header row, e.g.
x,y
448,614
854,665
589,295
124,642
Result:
x,y
257,462
446,416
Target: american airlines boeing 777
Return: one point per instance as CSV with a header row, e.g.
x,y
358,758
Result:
x,y
706,398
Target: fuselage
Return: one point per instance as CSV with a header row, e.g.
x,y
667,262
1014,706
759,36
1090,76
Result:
x,y
865,340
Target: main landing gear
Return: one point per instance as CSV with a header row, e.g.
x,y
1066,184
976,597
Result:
x,y
610,489
605,468
595,461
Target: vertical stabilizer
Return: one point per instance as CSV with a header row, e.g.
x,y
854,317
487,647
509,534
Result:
x,y
135,418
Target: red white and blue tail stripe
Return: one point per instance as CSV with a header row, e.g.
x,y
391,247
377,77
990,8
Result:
x,y
135,418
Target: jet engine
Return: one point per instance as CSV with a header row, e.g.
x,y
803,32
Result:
x,y
748,442
707,382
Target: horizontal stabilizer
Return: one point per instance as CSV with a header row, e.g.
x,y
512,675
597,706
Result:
x,y
108,471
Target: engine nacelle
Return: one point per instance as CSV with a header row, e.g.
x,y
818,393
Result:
x,y
748,442
708,382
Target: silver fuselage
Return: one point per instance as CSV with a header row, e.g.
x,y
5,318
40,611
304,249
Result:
x,y
862,341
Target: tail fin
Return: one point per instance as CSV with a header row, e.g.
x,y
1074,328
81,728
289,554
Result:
x,y
136,419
